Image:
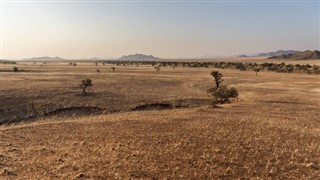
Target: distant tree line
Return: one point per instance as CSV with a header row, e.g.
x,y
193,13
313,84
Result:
x,y
276,67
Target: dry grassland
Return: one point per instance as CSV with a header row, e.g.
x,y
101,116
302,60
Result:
x,y
273,132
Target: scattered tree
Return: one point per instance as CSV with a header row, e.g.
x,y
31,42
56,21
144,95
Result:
x,y
15,69
84,84
257,69
98,70
113,69
217,77
222,93
316,69
157,68
289,68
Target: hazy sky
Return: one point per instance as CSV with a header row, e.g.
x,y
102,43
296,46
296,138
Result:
x,y
164,29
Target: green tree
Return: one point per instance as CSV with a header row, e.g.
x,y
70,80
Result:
x,y
223,94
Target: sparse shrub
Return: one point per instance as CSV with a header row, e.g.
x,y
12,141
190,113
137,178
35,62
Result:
x,y
98,71
84,84
316,69
15,69
217,77
256,69
113,69
240,66
157,68
289,68
223,93
281,70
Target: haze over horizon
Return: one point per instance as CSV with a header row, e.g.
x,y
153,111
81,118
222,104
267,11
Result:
x,y
163,29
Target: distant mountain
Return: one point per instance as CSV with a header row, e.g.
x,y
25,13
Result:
x,y
139,57
96,58
92,58
44,58
268,54
243,55
278,53
299,55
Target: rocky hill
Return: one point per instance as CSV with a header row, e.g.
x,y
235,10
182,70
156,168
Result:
x,y
268,54
278,53
44,58
299,55
139,57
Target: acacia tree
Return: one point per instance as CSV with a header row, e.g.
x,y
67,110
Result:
x,y
217,77
222,93
84,84
257,69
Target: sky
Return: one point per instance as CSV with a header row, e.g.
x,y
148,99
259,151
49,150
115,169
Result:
x,y
166,29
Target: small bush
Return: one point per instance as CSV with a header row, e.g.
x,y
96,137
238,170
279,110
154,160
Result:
x,y
157,68
223,94
15,69
257,69
84,84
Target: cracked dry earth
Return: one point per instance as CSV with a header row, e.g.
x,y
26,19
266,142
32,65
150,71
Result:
x,y
271,133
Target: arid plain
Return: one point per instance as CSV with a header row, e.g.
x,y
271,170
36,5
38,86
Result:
x,y
138,123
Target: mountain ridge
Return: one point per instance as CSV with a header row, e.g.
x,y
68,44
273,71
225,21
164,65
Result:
x,y
304,55
133,57
44,58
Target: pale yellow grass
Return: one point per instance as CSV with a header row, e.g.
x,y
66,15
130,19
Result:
x,y
271,133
